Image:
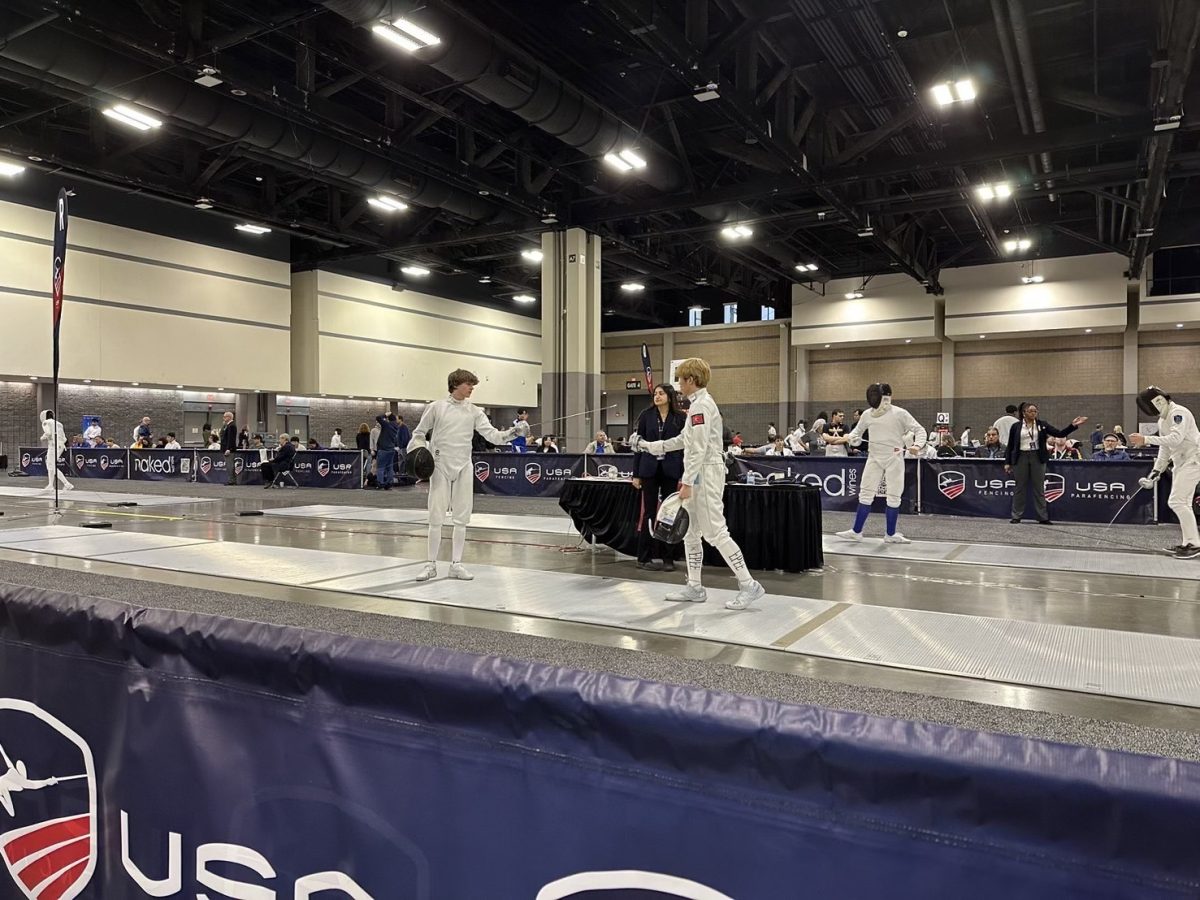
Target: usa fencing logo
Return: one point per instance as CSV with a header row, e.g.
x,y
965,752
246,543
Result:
x,y
104,464
25,460
533,473
205,465
47,803
951,484
1055,486
238,465
323,467
79,462
483,470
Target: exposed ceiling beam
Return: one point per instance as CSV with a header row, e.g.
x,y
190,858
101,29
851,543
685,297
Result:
x,y
865,143
1093,103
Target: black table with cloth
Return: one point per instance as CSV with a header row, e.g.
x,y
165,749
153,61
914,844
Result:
x,y
777,526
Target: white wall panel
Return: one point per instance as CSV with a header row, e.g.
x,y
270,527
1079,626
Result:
x,y
204,316
893,307
1078,292
401,344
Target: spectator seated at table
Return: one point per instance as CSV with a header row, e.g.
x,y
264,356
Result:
x,y
546,445
991,448
600,445
1111,451
1064,449
947,446
777,448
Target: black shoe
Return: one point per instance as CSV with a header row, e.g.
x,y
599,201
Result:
x,y
1015,521
1187,551
668,565
1045,522
651,566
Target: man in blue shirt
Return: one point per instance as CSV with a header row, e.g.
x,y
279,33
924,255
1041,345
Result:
x,y
1112,452
385,459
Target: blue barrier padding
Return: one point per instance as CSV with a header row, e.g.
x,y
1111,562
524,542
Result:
x,y
426,773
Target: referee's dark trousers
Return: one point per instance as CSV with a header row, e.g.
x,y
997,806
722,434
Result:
x,y
1030,472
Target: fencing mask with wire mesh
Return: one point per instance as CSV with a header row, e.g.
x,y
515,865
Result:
x,y
1153,401
671,523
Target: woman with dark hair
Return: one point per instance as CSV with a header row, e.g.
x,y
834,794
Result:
x,y
657,478
1027,454
362,440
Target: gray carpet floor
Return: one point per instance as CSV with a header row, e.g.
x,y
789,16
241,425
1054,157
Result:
x,y
636,664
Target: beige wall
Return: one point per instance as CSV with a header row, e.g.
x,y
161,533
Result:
x,y
1039,367
373,340
621,359
744,361
141,307
1170,359
842,374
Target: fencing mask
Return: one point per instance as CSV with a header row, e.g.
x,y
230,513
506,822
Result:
x,y
1153,402
420,463
876,393
671,523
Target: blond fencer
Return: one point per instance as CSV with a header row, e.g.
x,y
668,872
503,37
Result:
x,y
56,445
1178,442
702,488
895,435
453,421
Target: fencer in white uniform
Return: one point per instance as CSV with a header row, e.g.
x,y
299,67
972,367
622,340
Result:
x,y
703,488
895,434
56,444
1178,442
453,422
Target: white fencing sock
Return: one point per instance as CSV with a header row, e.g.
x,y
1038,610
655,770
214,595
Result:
x,y
458,542
435,542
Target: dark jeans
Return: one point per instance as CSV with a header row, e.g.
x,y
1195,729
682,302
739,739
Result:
x,y
385,469
229,458
1030,472
654,490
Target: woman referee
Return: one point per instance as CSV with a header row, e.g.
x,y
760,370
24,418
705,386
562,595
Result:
x,y
657,478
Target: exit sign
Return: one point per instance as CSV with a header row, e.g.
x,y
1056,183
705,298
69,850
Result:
x,y
633,384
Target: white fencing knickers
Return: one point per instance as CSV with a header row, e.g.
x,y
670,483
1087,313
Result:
x,y
455,490
876,470
706,522
1183,487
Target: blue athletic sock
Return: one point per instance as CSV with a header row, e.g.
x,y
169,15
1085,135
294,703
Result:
x,y
893,516
860,520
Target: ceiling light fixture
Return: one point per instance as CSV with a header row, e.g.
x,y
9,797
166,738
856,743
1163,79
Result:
x,y
961,91
908,340
1032,279
737,232
203,203
33,378
633,287
179,387
406,34
1001,190
485,279
706,92
387,203
854,295
10,168
524,298
982,336
549,220
415,271
866,231
135,384
252,229
87,381
1087,331
806,267
1178,324
208,77
134,118
532,255
34,158
1015,245
625,160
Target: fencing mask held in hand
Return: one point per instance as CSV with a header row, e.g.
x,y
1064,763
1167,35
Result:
x,y
420,463
1153,402
671,523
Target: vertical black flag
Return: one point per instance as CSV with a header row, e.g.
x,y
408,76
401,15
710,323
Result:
x,y
647,369
60,266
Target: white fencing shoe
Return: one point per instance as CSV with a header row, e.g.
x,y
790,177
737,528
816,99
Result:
x,y
746,596
849,535
430,571
689,593
459,571
896,538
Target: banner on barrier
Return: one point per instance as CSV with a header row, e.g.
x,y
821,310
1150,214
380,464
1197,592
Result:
x,y
88,462
329,468
33,460
1075,491
161,465
837,477
524,475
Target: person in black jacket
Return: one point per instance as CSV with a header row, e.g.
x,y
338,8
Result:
x,y
229,441
389,437
283,461
1027,454
656,478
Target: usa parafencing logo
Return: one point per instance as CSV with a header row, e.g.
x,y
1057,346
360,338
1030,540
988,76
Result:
x,y
47,803
533,473
205,465
322,467
1055,486
483,470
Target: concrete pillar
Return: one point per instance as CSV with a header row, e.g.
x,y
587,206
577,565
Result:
x,y
667,355
801,389
785,377
1129,357
306,359
245,411
268,415
571,334
948,380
